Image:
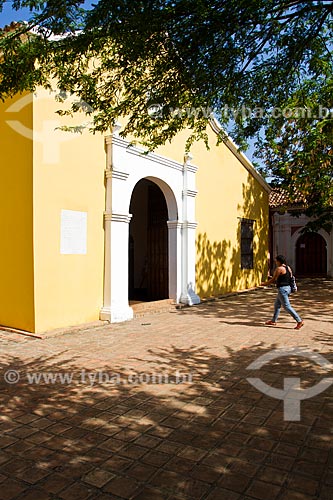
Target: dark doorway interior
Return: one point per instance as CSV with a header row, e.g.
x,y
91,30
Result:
x,y
148,244
311,255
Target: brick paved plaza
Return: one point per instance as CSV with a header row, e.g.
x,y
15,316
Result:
x,y
111,431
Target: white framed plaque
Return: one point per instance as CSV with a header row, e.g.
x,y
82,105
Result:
x,y
73,232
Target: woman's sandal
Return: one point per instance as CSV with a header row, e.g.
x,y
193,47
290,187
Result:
x,y
299,325
270,323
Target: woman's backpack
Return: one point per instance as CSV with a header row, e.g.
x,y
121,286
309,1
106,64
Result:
x,y
293,284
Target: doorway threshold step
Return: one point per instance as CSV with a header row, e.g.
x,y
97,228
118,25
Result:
x,y
158,306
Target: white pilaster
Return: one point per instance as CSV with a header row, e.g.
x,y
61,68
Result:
x,y
175,259
105,311
116,308
116,226
188,295
120,310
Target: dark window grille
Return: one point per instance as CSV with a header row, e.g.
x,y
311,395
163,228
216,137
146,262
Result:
x,y
247,244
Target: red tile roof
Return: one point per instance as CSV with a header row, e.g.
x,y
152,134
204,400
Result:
x,y
279,197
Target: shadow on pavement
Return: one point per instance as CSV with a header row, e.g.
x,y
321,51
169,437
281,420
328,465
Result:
x,y
213,437
313,301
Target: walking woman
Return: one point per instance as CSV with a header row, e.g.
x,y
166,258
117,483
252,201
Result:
x,y
282,275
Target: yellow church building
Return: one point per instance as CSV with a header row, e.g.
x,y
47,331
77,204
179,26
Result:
x,y
90,223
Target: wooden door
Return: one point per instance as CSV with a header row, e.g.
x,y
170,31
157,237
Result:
x,y
131,291
311,255
158,268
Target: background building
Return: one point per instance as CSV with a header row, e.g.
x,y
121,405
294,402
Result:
x,y
309,254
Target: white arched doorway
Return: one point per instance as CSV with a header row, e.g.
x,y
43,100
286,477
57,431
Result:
x,y
150,270
174,186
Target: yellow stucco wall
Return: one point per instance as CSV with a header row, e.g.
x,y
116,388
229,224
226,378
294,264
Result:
x,y
227,192
68,175
44,289
16,220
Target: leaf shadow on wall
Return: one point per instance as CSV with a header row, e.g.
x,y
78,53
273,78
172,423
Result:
x,y
218,266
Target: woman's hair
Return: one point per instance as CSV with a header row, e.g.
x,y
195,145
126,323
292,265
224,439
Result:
x,y
281,259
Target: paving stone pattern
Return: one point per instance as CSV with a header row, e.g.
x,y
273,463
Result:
x,y
160,408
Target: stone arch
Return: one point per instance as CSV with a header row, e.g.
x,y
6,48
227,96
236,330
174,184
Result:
x,y
149,266
310,253
168,192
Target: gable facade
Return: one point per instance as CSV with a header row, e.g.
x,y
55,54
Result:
x,y
92,223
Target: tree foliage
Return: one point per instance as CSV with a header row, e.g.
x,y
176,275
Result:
x,y
298,150
171,64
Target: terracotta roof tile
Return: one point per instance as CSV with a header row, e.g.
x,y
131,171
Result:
x,y
279,197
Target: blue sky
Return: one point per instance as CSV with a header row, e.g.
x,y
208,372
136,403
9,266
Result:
x,y
8,14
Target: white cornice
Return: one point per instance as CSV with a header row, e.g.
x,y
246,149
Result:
x,y
190,225
117,174
121,218
178,224
190,192
174,224
108,216
216,127
192,168
156,158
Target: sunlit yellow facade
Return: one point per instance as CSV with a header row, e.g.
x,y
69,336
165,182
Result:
x,y
47,174
229,190
16,221
44,171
